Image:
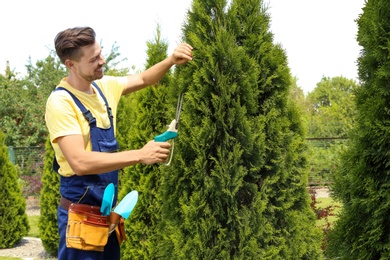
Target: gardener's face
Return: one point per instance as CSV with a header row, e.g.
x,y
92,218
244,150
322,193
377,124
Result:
x,y
90,66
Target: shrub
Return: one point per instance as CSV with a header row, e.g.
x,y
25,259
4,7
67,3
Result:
x,y
13,218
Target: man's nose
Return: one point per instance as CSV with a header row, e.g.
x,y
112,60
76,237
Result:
x,y
102,61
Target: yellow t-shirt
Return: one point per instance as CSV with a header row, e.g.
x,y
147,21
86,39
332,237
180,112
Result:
x,y
63,117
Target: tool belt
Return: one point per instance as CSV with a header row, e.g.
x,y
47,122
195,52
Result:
x,y
87,229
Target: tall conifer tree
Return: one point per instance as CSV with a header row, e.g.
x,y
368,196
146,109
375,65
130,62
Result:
x,y
13,219
49,201
152,112
237,187
363,183
284,173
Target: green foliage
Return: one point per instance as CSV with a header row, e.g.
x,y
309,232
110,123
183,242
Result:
x,y
45,75
110,67
332,107
289,231
150,108
23,102
362,183
237,186
324,159
21,120
13,218
49,201
330,112
298,97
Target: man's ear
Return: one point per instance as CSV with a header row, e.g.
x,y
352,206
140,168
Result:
x,y
69,64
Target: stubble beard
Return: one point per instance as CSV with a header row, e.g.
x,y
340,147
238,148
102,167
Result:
x,y
98,74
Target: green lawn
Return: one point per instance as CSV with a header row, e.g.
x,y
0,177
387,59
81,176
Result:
x,y
34,230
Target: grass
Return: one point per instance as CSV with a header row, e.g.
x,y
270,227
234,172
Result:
x,y
34,230
9,258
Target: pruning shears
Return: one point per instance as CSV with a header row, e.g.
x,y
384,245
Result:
x,y
172,131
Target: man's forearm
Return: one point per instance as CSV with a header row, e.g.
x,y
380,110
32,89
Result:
x,y
98,162
156,72
90,162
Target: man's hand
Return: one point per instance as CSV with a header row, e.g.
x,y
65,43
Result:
x,y
154,152
182,54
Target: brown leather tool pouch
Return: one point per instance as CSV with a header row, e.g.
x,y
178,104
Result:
x,y
87,229
120,231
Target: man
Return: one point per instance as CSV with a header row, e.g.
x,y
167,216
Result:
x,y
81,116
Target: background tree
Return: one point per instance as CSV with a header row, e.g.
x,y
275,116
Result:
x,y
153,109
331,112
21,120
13,219
237,187
332,107
362,183
23,102
113,62
44,76
297,95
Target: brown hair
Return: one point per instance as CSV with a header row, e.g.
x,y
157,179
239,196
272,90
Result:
x,y
69,42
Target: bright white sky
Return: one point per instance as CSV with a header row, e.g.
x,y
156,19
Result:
x,y
319,36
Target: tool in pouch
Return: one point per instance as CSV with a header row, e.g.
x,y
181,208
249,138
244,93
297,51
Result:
x,y
123,209
89,227
172,131
108,198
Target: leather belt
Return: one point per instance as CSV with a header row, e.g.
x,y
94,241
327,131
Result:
x,y
65,204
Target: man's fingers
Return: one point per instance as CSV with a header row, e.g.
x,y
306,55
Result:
x,y
165,145
183,53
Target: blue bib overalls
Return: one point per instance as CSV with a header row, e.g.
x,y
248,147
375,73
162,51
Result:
x,y
89,189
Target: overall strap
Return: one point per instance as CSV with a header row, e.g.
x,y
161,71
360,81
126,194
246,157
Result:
x,y
109,111
87,114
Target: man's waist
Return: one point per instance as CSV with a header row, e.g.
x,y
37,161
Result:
x,y
65,204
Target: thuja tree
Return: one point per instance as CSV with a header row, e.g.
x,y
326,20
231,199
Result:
x,y
151,108
362,183
290,231
13,218
237,186
49,200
